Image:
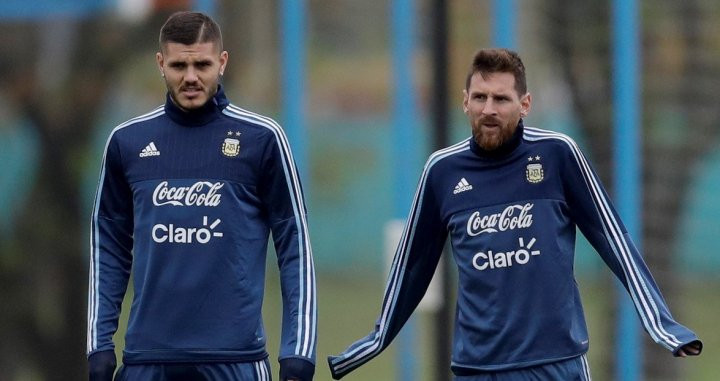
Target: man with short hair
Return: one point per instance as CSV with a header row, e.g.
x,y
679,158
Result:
x,y
187,197
510,198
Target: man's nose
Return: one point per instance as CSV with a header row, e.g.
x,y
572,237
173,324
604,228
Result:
x,y
191,75
489,108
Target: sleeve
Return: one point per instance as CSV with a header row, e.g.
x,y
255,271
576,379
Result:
x,y
283,199
596,217
110,250
414,263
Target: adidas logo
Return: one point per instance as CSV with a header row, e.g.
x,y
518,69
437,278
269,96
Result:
x,y
462,186
150,150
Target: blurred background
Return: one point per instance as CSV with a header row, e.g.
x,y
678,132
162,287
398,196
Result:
x,y
362,112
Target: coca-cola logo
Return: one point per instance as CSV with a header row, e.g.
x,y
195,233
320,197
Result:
x,y
513,217
202,193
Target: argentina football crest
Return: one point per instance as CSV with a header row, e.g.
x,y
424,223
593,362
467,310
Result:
x,y
534,173
231,146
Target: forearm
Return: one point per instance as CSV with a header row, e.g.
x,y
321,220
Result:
x,y
297,277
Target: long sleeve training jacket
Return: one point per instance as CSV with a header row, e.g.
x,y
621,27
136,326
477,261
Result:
x,y
511,216
188,200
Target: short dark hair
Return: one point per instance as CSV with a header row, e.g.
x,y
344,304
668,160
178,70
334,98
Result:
x,y
488,61
189,28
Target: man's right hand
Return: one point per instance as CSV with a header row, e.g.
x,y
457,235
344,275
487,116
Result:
x,y
102,366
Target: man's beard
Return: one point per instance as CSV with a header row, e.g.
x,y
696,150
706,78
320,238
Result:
x,y
175,93
492,141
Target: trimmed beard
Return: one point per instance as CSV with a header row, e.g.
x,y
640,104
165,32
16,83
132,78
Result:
x,y
491,142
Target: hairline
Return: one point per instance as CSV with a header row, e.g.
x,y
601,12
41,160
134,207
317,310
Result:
x,y
163,45
485,74
201,34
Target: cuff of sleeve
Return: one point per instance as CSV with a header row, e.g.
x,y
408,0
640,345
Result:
x,y
101,365
696,343
335,374
296,369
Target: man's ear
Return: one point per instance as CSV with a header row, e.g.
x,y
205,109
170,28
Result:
x,y
525,105
224,56
465,101
159,59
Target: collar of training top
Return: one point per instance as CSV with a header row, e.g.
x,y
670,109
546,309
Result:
x,y
201,116
502,151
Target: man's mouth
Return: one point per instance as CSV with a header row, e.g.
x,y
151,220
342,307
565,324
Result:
x,y
191,92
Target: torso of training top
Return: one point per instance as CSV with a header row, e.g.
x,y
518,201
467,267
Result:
x,y
188,200
511,216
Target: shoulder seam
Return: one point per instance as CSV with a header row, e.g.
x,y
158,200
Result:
x,y
150,115
548,134
446,152
240,114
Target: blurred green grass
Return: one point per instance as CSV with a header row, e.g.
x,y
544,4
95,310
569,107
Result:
x,y
349,303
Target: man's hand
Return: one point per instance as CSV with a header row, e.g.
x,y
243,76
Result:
x,y
692,348
295,369
102,366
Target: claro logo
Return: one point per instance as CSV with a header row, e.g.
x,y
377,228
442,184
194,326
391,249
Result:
x,y
176,234
202,193
500,259
513,217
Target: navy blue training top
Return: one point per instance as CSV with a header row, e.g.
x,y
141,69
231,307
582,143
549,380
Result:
x,y
188,201
511,215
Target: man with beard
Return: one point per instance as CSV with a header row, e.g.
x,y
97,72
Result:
x,y
187,197
510,198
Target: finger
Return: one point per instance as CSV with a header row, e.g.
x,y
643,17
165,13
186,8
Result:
x,y
681,353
